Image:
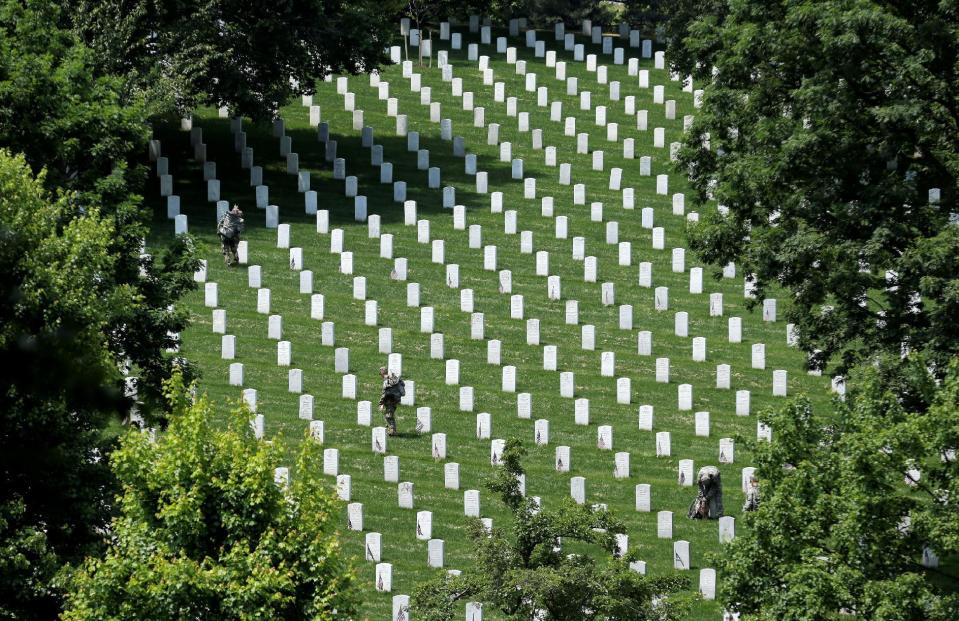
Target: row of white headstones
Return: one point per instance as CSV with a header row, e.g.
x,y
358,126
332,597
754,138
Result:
x,y
341,364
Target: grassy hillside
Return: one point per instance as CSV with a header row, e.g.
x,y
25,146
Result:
x,y
258,353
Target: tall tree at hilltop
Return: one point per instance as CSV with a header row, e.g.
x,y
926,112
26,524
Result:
x,y
828,135
250,56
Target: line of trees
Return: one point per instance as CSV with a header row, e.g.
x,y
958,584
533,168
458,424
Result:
x,y
828,137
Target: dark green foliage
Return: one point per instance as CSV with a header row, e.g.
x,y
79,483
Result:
x,y
839,527
68,118
58,389
539,13
829,122
522,568
645,15
76,299
233,52
544,13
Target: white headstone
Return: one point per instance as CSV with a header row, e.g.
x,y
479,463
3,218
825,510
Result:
x,y
439,446
577,489
664,525
471,503
663,445
707,583
681,555
727,528
541,432
758,356
581,412
331,462
524,405
646,417
685,473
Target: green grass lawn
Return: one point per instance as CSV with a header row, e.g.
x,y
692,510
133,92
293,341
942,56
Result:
x,y
280,407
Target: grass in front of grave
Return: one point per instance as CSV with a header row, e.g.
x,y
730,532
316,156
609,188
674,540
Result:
x,y
258,353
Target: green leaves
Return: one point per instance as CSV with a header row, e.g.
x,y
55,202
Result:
x,y
839,527
59,388
205,532
252,57
829,124
525,566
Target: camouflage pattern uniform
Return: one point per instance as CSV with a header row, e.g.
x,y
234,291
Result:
x,y
389,400
709,500
229,228
752,496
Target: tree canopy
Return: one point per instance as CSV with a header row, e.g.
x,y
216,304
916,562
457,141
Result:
x,y
251,57
522,569
538,13
204,530
827,136
90,136
857,508
59,388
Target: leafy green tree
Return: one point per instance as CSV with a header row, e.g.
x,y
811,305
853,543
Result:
x,y
426,14
77,299
851,499
544,13
645,15
205,532
59,390
252,57
523,571
828,134
89,135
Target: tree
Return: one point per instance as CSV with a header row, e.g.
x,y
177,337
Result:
x,y
645,15
90,136
252,58
59,390
544,13
854,500
77,299
828,134
522,570
205,532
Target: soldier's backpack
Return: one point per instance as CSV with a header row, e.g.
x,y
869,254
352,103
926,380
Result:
x,y
397,390
225,230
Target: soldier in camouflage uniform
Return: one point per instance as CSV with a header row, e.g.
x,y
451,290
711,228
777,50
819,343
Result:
x,y
708,504
393,391
752,495
229,228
